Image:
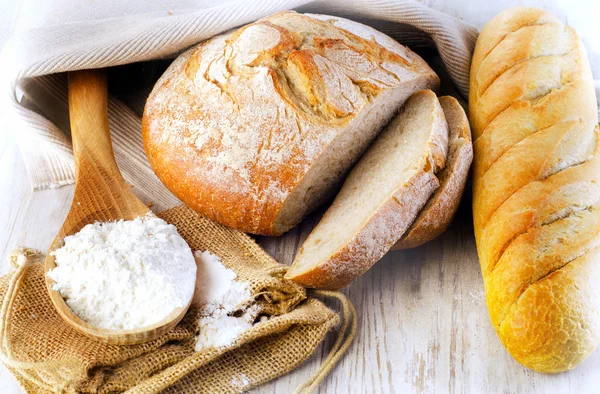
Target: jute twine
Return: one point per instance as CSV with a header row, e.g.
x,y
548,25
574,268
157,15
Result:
x,y
47,356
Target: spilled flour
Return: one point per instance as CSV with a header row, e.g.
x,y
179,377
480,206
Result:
x,y
220,298
240,382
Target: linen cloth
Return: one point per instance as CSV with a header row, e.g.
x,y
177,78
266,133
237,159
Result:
x,y
51,38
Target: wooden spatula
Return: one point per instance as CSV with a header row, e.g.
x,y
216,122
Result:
x,y
101,194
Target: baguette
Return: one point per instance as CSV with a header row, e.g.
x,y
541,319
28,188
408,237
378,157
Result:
x,y
437,214
536,194
257,127
380,198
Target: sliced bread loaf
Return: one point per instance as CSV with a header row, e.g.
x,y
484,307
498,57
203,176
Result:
x,y
380,198
437,214
257,127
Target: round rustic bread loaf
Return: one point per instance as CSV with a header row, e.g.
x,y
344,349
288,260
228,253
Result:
x,y
257,127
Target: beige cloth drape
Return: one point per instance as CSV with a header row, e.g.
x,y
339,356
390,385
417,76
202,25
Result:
x,y
73,35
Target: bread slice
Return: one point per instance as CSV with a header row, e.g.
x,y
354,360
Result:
x,y
380,198
437,214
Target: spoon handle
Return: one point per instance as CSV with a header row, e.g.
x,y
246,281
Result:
x,y
88,98
101,193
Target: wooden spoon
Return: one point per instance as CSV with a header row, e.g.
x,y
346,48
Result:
x,y
101,195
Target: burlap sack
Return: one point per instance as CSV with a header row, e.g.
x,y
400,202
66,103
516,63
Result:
x,y
46,355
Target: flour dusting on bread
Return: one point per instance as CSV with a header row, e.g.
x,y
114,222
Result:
x,y
236,123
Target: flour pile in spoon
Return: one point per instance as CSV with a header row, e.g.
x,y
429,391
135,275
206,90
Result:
x,y
126,274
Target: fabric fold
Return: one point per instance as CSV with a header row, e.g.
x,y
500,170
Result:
x,y
37,59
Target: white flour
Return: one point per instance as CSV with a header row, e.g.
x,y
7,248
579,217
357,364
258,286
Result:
x,y
125,274
218,295
240,382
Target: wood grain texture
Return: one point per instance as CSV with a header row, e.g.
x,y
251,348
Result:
x,y
101,195
423,323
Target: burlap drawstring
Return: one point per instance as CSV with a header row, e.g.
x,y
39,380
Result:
x,y
342,343
19,259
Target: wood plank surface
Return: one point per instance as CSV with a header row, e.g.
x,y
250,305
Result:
x,y
423,325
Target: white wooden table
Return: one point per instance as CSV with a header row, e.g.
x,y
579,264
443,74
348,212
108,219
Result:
x,y
423,323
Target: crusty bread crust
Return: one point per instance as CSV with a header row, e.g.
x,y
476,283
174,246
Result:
x,y
536,193
495,32
372,238
568,333
437,214
236,124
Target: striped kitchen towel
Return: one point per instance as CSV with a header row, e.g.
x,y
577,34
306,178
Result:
x,y
51,38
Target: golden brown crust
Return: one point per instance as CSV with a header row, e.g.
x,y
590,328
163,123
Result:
x,y
535,204
505,176
559,301
437,214
235,124
503,26
536,193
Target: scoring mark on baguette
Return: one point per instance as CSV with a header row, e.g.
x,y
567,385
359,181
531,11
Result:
x,y
562,214
572,76
547,251
537,280
506,35
508,147
521,62
539,178
522,176
561,45
557,169
535,100
553,168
